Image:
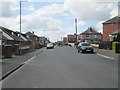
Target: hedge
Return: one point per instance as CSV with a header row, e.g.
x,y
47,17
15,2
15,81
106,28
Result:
x,y
114,45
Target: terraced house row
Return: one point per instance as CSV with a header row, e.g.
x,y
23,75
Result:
x,y
14,42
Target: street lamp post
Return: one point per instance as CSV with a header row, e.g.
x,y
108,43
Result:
x,y
20,27
76,28
20,23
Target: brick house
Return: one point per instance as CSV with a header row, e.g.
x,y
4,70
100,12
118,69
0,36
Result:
x,y
110,26
65,41
43,41
116,32
32,36
71,38
91,36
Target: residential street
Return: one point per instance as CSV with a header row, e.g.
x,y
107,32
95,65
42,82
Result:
x,y
64,67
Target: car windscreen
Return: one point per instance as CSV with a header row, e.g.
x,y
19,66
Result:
x,y
85,44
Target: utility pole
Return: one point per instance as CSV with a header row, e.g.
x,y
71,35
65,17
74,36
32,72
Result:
x,y
20,28
20,23
76,29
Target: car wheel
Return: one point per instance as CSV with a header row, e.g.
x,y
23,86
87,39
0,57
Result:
x,y
82,51
91,51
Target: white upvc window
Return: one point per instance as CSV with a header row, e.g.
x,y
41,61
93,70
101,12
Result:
x,y
0,42
87,36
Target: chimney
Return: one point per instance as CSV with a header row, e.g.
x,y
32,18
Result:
x,y
33,32
90,29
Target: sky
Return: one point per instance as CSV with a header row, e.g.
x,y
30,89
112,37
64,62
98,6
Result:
x,y
56,18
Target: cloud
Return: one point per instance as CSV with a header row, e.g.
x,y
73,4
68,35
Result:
x,y
51,9
44,24
81,23
31,8
11,23
90,10
99,26
7,8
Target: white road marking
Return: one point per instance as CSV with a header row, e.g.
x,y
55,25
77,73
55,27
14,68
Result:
x,y
105,56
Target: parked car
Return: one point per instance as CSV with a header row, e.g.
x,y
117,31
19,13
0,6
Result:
x,y
50,46
85,47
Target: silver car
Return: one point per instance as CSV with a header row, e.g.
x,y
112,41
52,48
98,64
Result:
x,y
85,47
50,46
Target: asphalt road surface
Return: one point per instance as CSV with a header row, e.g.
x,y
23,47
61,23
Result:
x,y
63,67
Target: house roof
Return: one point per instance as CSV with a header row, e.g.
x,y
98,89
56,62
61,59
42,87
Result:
x,y
71,36
42,38
30,34
11,35
5,36
90,31
24,36
113,20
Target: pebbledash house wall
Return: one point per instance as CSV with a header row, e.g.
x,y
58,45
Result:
x,y
93,38
108,29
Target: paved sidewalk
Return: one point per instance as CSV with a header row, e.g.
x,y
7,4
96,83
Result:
x,y
11,63
108,53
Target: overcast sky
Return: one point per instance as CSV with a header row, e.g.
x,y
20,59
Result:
x,y
55,18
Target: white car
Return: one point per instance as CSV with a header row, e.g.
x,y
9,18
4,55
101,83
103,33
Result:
x,y
50,46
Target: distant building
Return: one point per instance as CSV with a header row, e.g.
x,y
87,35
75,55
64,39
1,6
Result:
x,y
59,43
91,36
43,41
110,26
65,41
32,36
71,38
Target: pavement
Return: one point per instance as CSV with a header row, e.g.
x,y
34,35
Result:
x,y
107,53
64,67
9,64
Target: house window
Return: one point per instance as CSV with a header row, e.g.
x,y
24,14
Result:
x,y
0,42
95,36
87,36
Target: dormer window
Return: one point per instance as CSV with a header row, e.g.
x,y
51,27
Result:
x,y
27,36
12,33
18,34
